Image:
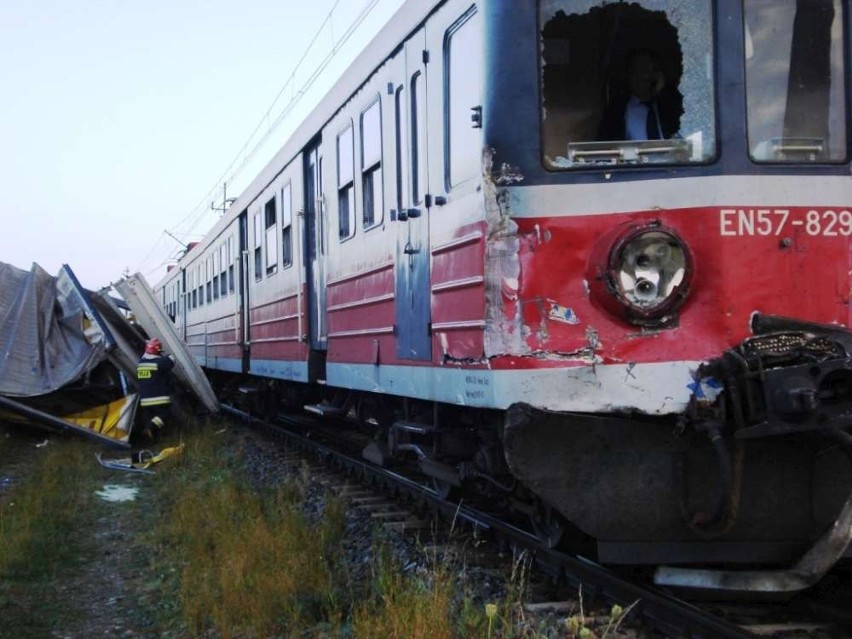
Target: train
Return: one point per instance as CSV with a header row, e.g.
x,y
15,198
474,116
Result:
x,y
641,345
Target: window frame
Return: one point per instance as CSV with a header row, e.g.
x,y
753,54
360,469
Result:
x,y
464,20
844,76
231,261
208,278
257,219
270,235
375,168
712,132
347,187
417,142
286,234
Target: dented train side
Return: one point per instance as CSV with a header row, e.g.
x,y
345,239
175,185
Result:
x,y
646,337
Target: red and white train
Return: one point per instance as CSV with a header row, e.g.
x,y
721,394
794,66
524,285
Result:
x,y
640,342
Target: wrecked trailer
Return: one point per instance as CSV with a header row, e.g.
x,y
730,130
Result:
x,y
58,367
68,356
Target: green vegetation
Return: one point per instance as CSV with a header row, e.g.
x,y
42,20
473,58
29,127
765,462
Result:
x,y
44,524
201,553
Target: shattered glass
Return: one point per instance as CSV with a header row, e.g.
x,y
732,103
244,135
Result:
x,y
585,46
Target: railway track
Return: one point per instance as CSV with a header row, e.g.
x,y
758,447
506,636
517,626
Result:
x,y
397,500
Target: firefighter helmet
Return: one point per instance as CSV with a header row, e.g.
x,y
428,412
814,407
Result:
x,y
153,346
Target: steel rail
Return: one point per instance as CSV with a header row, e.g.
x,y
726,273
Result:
x,y
665,613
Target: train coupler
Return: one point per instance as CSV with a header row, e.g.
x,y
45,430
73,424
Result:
x,y
789,377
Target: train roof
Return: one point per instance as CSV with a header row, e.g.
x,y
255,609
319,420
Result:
x,y
408,18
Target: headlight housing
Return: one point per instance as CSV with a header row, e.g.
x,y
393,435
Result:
x,y
642,272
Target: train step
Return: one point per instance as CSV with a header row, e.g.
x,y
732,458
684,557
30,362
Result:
x,y
325,410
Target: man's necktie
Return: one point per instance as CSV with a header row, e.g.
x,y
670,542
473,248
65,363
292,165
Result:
x,y
651,122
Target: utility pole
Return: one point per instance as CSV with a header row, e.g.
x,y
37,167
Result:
x,y
226,201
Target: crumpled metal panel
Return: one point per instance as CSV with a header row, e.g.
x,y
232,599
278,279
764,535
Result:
x,y
150,315
49,334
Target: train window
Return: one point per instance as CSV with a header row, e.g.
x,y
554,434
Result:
x,y
371,164
231,264
286,226
200,286
271,239
795,80
193,300
401,140
258,248
215,274
223,272
462,81
627,83
418,143
208,275
345,184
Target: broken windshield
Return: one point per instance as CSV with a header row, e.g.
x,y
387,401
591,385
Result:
x,y
627,82
795,80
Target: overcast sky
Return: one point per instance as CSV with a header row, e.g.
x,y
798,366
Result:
x,y
117,118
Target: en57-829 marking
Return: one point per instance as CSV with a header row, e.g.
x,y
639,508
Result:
x,y
766,222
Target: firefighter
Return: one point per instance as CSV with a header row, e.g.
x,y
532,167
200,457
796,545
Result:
x,y
154,381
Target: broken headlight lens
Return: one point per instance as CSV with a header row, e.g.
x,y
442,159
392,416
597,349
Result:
x,y
650,269
645,275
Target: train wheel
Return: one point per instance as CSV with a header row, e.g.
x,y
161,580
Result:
x,y
548,525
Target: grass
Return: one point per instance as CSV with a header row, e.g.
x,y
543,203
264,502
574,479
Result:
x,y
212,557
42,534
248,564
400,607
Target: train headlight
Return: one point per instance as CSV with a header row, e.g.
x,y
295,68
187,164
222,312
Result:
x,y
645,274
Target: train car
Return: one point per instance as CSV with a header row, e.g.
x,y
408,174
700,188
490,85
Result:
x,y
589,258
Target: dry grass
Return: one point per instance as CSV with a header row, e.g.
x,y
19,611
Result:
x,y
42,534
39,514
225,560
403,607
249,565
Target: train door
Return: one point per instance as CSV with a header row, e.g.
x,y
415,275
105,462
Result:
x,y
315,251
413,298
244,309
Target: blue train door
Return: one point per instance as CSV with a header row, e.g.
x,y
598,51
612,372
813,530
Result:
x,y
315,245
413,296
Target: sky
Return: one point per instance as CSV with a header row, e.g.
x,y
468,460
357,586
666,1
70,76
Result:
x,y
120,120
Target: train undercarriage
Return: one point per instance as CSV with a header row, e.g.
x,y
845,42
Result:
x,y
755,476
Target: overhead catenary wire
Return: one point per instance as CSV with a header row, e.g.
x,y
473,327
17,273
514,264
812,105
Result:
x,y
201,206
190,222
294,100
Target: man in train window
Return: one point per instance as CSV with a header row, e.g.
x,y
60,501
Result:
x,y
648,110
154,382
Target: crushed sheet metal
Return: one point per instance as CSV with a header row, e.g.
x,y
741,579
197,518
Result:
x,y
129,340
138,295
113,420
505,331
49,334
51,422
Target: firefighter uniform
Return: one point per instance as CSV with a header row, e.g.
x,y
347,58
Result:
x,y
154,382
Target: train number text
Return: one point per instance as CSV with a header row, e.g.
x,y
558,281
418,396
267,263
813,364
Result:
x,y
765,222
